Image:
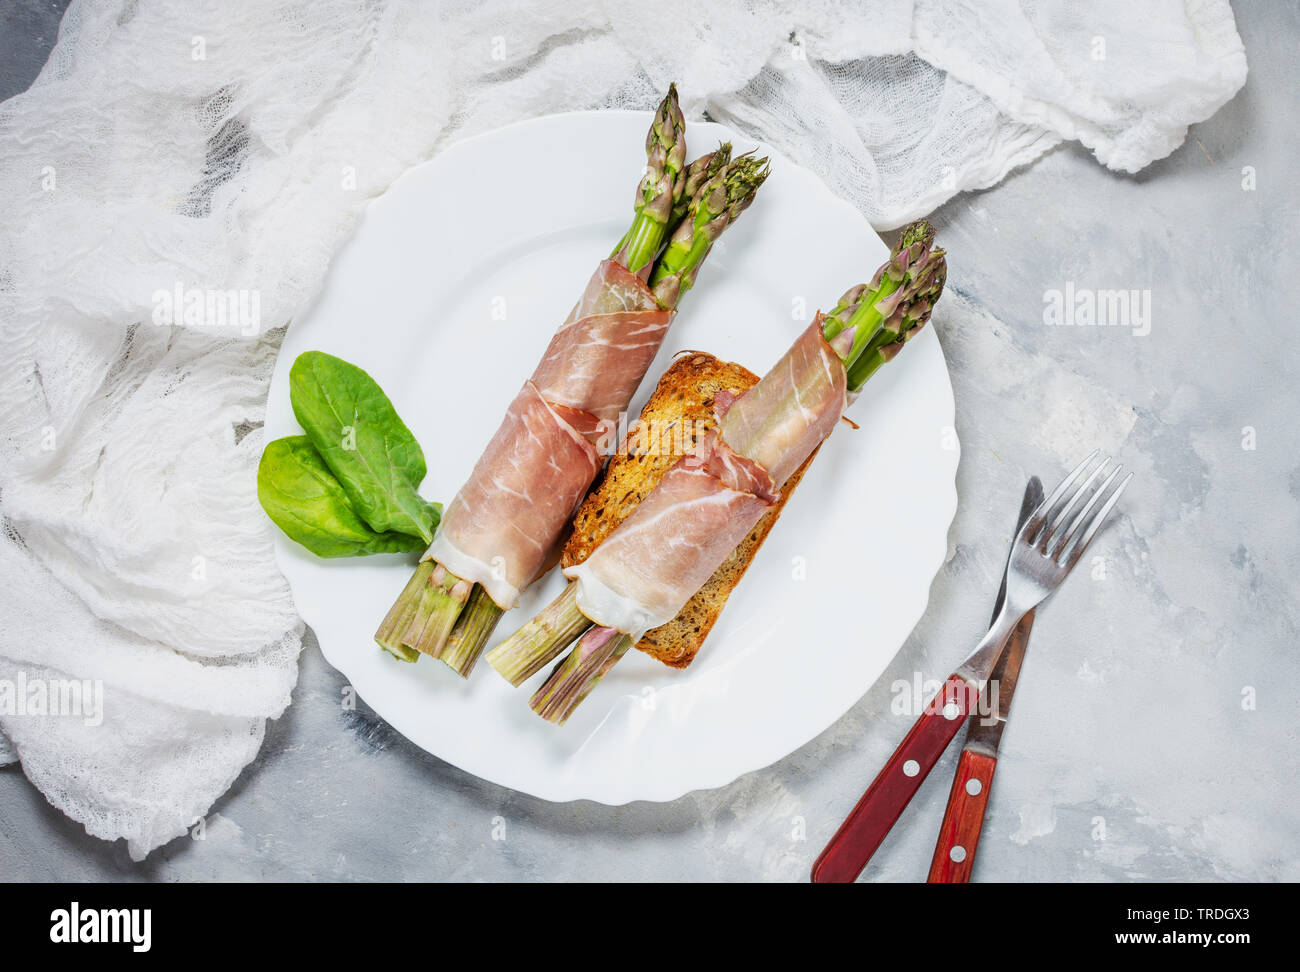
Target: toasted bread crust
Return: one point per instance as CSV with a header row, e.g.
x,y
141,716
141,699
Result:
x,y
683,399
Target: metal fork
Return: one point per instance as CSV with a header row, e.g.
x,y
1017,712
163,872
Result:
x,y
1044,551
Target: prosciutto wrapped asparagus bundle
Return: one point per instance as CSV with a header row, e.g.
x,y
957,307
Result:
x,y
643,573
501,529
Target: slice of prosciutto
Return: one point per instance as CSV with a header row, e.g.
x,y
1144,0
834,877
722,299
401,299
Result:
x,y
501,529
599,355
781,420
646,570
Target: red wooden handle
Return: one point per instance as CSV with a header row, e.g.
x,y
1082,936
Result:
x,y
954,854
862,832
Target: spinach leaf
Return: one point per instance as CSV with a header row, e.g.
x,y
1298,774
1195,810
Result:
x,y
302,498
364,443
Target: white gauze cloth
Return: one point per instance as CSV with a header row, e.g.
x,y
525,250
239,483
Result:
x,y
232,145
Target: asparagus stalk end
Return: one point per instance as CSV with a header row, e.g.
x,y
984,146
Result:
x,y
424,613
539,641
572,680
471,632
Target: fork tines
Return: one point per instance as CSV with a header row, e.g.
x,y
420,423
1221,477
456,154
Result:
x,y
1062,538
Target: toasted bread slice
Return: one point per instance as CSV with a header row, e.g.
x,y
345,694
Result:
x,y
678,413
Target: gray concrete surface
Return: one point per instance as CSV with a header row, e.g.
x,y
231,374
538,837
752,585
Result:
x,y
28,29
1154,736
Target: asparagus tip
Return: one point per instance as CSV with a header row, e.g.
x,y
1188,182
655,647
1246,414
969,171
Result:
x,y
870,324
917,231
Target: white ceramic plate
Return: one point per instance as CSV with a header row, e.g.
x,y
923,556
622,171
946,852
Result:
x,y
447,295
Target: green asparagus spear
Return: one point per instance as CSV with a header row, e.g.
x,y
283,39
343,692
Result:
x,y
539,641
661,187
572,680
697,174
715,206
872,321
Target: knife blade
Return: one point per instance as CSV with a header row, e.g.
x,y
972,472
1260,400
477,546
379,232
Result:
x,y
984,733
